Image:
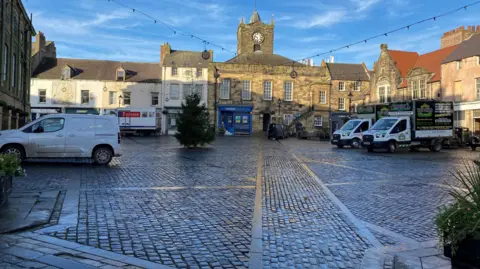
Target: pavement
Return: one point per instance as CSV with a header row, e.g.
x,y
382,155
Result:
x,y
244,202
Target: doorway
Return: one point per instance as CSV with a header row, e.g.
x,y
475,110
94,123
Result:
x,y
266,121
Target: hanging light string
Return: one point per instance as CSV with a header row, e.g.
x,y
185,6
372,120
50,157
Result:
x,y
290,62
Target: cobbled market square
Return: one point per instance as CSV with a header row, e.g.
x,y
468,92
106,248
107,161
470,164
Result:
x,y
284,204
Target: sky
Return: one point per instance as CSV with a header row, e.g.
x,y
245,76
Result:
x,y
101,29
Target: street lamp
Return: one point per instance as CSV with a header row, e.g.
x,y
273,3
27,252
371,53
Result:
x,y
350,102
216,75
279,102
118,110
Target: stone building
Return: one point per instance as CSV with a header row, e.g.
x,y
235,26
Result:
x,y
258,87
457,36
183,72
82,86
461,82
15,39
405,75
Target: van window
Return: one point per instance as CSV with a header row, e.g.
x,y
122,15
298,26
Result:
x,y
49,125
363,127
104,125
81,125
402,126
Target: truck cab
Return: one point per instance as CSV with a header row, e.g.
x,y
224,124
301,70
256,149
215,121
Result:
x,y
389,133
351,133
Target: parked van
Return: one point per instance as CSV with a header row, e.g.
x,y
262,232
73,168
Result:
x,y
65,136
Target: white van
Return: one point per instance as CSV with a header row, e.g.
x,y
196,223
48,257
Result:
x,y
65,136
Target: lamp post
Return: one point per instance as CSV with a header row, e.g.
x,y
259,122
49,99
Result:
x,y
118,110
350,103
216,75
279,102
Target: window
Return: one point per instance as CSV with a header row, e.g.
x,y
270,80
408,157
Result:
x,y
20,76
389,94
14,70
112,98
256,47
127,98
85,97
15,22
174,91
288,87
478,88
120,75
341,86
47,126
174,71
20,33
341,103
42,96
288,118
317,121
363,127
5,62
415,92
225,89
267,90
199,90
187,90
199,72
66,72
422,88
381,94
246,90
478,60
459,65
401,126
358,86
154,98
323,97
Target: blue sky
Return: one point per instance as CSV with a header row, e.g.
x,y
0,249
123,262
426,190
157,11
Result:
x,y
99,29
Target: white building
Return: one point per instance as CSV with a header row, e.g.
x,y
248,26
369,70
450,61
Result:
x,y
61,85
183,72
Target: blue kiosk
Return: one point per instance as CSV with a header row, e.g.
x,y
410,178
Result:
x,y
237,120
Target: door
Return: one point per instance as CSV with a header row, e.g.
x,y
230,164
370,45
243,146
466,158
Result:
x,y
46,138
266,121
79,140
227,120
401,132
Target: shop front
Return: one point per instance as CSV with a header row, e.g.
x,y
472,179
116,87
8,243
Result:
x,y
38,112
236,120
171,114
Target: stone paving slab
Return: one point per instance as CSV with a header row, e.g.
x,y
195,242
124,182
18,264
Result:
x,y
27,210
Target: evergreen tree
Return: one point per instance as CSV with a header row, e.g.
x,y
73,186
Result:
x,y
193,127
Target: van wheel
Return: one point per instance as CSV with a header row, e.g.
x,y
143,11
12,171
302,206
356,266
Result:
x,y
392,147
355,144
14,150
102,156
370,149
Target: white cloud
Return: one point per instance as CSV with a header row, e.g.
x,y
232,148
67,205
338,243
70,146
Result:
x,y
283,18
323,20
311,39
363,5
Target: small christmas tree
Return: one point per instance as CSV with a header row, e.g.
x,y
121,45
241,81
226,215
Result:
x,y
193,128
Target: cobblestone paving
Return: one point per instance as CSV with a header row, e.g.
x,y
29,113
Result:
x,y
400,192
162,203
302,228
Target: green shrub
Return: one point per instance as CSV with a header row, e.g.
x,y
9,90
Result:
x,y
461,220
10,166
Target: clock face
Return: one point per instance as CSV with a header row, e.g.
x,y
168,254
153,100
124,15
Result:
x,y
257,38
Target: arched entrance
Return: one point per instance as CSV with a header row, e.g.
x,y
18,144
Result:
x,y
266,121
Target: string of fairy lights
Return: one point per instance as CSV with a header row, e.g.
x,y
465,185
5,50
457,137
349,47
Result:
x,y
206,54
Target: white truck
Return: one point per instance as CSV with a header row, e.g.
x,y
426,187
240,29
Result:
x,y
411,125
142,121
351,132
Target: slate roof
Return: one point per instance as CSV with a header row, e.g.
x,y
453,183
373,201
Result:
x,y
182,58
467,48
51,68
263,59
341,71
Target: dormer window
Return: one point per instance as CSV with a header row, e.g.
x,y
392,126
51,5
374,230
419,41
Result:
x,y
66,72
121,74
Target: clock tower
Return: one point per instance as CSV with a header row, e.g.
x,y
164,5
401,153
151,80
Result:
x,y
255,36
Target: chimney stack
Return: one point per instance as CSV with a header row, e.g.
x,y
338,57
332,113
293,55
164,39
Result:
x,y
165,49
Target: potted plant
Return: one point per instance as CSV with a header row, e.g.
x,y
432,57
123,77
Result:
x,y
9,168
458,224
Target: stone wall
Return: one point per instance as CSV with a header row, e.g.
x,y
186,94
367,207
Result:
x,y
457,36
